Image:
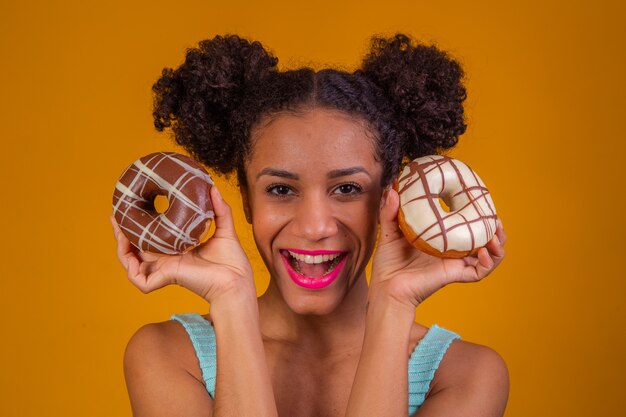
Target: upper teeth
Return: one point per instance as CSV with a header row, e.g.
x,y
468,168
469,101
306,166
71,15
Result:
x,y
314,259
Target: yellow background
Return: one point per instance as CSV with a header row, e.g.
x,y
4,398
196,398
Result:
x,y
546,109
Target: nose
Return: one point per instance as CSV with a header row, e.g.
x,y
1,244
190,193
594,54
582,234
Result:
x,y
315,219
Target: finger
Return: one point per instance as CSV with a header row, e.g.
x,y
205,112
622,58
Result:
x,y
485,263
148,279
114,224
500,232
117,231
125,251
495,248
146,276
496,251
133,267
224,225
140,273
471,261
389,229
140,281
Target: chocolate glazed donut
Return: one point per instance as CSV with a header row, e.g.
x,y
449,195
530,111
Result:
x,y
186,185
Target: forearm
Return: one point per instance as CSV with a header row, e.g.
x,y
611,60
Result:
x,y
381,384
243,385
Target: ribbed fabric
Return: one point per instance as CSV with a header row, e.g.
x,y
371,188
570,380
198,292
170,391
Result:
x,y
202,337
423,362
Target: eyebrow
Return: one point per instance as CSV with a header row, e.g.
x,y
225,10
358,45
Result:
x,y
335,173
277,173
344,172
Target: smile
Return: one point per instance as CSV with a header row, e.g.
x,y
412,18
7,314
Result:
x,y
313,269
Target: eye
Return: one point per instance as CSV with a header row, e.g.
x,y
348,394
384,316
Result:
x,y
279,190
348,189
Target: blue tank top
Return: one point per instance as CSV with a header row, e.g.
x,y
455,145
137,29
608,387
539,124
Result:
x,y
423,362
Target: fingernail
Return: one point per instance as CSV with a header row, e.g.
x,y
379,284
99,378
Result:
x,y
497,239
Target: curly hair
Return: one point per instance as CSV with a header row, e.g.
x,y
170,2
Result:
x,y
410,95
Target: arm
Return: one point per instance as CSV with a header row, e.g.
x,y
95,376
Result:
x,y
472,381
160,378
162,374
380,386
403,277
243,386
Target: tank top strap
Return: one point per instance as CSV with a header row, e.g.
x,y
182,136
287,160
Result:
x,y
424,361
202,337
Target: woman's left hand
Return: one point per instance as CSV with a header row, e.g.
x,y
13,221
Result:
x,y
411,276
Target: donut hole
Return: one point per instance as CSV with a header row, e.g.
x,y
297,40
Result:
x,y
443,205
161,203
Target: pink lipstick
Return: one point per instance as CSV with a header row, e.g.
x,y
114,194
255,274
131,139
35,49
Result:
x,y
299,262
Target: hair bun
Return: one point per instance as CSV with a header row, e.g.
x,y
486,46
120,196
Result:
x,y
424,86
197,99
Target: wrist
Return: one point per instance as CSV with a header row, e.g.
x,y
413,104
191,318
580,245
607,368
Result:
x,y
393,294
237,298
387,312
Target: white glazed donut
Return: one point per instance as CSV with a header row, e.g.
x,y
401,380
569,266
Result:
x,y
471,221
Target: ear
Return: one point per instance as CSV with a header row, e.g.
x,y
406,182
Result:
x,y
246,204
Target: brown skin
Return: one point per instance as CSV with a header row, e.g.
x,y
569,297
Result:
x,y
310,353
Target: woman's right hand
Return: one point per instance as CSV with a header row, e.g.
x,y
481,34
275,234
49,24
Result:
x,y
210,270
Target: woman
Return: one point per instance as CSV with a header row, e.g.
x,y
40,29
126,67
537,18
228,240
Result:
x,y
315,154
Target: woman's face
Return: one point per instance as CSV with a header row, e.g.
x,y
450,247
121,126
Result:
x,y
313,197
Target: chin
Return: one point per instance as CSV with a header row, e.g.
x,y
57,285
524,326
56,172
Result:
x,y
312,305
317,302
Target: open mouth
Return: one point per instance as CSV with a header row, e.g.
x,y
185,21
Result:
x,y
313,265
313,269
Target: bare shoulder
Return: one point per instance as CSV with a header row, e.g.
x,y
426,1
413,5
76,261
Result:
x,y
473,362
162,371
165,342
471,377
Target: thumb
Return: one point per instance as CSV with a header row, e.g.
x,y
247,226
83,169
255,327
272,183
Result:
x,y
224,225
389,229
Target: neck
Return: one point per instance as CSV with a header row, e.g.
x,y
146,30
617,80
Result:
x,y
342,327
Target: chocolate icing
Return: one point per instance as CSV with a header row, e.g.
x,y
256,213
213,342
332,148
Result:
x,y
186,185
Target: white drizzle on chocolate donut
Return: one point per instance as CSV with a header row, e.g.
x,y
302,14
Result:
x,y
471,221
185,184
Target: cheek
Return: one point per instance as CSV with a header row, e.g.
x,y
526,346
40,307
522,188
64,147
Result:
x,y
270,214
266,224
364,217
